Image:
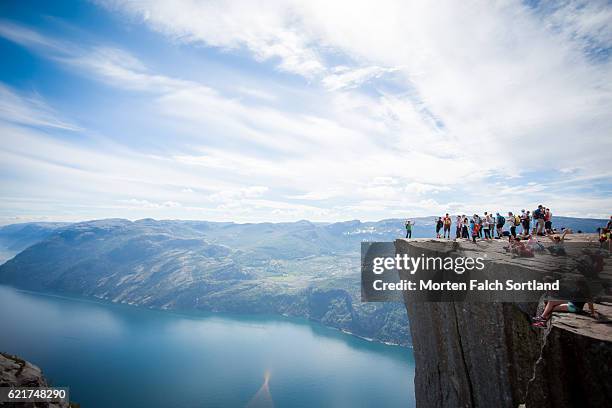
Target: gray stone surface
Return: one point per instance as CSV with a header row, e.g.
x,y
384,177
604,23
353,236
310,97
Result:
x,y
15,372
472,354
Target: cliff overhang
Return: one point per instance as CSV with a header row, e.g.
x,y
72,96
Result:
x,y
487,354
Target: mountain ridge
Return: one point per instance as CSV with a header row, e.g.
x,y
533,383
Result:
x,y
300,269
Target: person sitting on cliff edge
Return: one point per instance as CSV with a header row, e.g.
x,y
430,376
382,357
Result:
x,y
573,306
561,306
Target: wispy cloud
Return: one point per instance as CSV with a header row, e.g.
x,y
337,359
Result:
x,y
29,110
390,108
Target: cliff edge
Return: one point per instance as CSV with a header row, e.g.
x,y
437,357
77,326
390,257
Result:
x,y
15,372
471,354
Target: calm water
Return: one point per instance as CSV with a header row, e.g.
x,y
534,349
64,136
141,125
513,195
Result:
x,y
120,356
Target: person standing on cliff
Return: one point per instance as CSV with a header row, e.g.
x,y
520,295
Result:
x,y
408,226
525,222
538,219
547,221
475,228
439,225
465,231
492,225
485,225
500,220
458,226
512,224
447,225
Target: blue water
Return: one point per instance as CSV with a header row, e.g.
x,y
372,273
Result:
x,y
120,356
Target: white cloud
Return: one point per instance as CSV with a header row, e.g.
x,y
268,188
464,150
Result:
x,y
134,203
343,77
491,73
458,95
29,110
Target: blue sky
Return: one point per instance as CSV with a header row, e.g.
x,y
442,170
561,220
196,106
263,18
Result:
x,y
284,110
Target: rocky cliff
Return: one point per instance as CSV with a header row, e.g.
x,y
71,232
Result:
x,y
15,372
471,354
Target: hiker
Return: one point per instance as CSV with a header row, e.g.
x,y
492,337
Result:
x,y
525,221
480,223
439,225
475,224
538,219
491,225
609,226
447,225
547,221
558,248
458,226
465,232
512,224
485,225
500,220
409,225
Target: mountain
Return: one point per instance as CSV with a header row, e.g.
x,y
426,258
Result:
x,y
303,269
17,237
300,269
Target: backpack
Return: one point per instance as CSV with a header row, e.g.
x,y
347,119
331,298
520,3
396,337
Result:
x,y
517,220
501,220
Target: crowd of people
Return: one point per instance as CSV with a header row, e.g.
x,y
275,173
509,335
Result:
x,y
487,226
520,230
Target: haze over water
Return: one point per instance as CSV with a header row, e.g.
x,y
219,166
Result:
x,y
114,355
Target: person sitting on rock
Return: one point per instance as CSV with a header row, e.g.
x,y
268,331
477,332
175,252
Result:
x,y
561,306
558,248
572,306
518,247
534,245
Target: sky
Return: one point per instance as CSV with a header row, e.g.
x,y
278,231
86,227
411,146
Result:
x,y
252,111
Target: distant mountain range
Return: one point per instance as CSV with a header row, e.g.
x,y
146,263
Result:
x,y
300,269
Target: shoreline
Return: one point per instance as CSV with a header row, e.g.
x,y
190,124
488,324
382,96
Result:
x,y
194,313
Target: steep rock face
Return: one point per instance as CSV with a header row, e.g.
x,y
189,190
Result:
x,y
575,367
15,372
472,354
